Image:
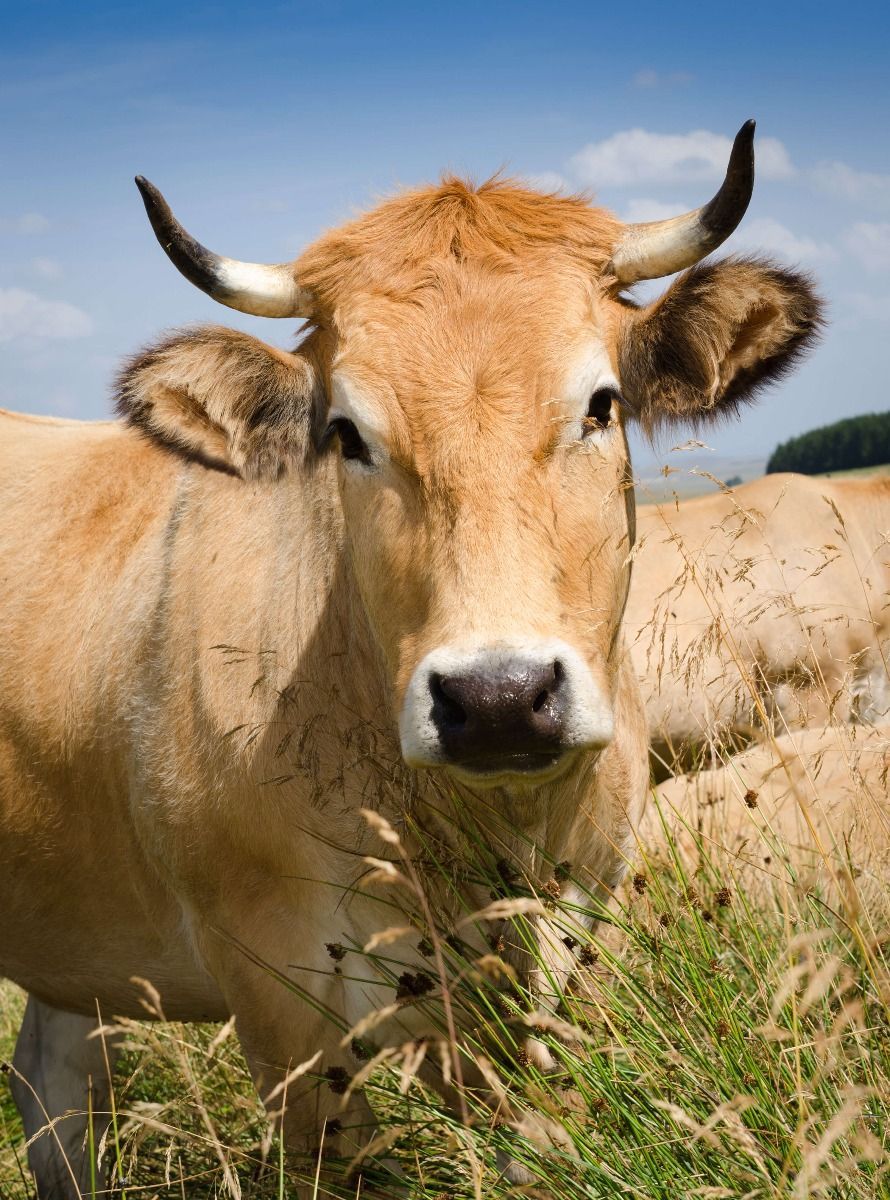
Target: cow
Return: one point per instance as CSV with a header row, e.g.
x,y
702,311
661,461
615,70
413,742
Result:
x,y
383,571
804,811
762,608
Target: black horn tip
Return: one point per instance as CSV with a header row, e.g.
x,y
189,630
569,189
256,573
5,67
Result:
x,y
742,154
146,188
152,198
198,264
721,216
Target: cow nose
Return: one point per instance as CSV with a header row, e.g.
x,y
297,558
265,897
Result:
x,y
511,717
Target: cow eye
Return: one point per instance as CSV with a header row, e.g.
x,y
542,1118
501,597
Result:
x,y
351,444
599,409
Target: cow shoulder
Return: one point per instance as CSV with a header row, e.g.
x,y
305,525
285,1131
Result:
x,y
222,398
721,332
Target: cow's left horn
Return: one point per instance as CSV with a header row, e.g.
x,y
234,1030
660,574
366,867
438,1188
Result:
x,y
265,290
655,248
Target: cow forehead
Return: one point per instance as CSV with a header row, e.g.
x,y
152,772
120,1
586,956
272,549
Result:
x,y
473,312
474,351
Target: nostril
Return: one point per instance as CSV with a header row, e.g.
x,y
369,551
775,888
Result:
x,y
552,679
450,710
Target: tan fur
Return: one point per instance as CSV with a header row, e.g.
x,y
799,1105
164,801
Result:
x,y
398,250
761,606
202,668
809,811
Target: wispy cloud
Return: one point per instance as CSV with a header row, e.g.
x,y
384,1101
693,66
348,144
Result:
x,y
644,209
862,187
46,268
647,78
548,181
766,233
24,315
870,244
637,156
27,223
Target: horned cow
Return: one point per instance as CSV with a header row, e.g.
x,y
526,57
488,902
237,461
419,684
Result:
x,y
385,570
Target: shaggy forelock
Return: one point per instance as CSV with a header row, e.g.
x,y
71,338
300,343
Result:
x,y
501,225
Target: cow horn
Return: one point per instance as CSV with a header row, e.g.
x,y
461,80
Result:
x,y
262,289
655,248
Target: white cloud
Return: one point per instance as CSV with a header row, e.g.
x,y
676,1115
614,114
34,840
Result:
x,y
643,209
24,315
27,223
870,244
46,268
862,187
765,233
638,156
647,78
548,181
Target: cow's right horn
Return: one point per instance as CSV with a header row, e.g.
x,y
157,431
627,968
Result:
x,y
262,289
655,248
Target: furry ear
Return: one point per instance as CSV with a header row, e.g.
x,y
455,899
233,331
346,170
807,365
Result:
x,y
717,335
221,398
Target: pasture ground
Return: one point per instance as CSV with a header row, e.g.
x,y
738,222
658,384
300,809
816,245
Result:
x,y
726,1040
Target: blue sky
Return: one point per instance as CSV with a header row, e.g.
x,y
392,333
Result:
x,y
266,123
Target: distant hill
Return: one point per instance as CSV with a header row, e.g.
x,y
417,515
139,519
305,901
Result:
x,y
852,443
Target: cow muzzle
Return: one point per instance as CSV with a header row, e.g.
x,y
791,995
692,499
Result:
x,y
492,714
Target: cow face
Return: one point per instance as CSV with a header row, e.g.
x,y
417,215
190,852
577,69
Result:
x,y
483,477
471,368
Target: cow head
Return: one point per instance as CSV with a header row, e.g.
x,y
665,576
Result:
x,y
471,366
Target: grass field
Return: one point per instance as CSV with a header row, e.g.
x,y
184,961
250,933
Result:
x,y
723,1041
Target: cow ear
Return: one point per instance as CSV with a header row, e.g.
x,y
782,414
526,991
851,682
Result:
x,y
718,334
221,398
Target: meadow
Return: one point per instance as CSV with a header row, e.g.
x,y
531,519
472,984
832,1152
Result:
x,y
725,1038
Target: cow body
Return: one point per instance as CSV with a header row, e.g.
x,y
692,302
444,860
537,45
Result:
x,y
386,571
182,687
763,607
809,811
78,618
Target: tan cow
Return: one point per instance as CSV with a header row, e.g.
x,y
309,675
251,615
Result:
x,y
385,570
766,606
807,810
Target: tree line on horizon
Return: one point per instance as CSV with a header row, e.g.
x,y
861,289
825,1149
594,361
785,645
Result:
x,y
853,442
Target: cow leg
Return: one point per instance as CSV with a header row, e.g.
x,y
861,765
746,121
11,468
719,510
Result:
x,y
311,1114
280,1032
55,1068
